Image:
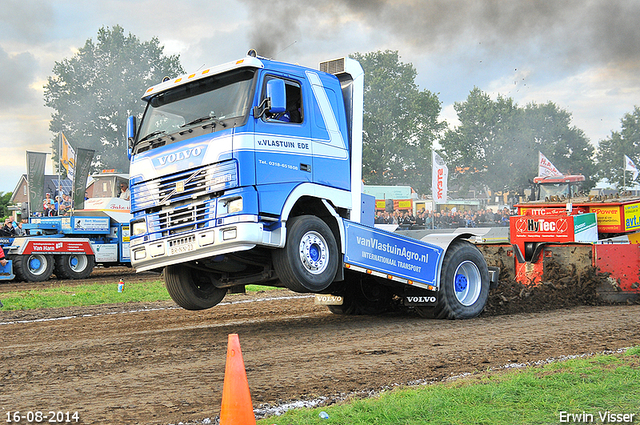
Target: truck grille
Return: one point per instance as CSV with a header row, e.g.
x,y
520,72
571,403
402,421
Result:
x,y
184,219
184,185
335,66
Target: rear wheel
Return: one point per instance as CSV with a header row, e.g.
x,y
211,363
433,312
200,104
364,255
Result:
x,y
74,266
309,260
33,267
191,289
464,284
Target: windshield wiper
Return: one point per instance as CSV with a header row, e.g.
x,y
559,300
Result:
x,y
205,118
150,135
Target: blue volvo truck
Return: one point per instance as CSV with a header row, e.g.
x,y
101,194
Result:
x,y
250,173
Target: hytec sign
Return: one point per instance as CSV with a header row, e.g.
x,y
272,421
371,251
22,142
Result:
x,y
558,229
547,226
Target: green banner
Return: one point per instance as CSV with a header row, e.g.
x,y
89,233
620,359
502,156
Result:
x,y
35,180
83,164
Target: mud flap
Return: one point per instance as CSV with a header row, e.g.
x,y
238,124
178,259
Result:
x,y
494,276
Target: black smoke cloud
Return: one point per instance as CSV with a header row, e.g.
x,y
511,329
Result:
x,y
569,33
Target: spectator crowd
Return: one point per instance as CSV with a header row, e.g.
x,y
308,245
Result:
x,y
448,219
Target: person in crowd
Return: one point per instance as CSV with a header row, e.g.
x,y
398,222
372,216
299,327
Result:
x,y
3,260
51,212
65,206
46,202
8,228
19,230
124,192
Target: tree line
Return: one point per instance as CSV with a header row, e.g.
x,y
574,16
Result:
x,y
495,146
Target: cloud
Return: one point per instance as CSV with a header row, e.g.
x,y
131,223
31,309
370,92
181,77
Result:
x,y
17,72
26,20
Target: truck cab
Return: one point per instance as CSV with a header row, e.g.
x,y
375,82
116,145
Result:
x,y
251,172
557,188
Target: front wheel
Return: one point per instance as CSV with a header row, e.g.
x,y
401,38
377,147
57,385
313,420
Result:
x,y
309,260
464,283
191,289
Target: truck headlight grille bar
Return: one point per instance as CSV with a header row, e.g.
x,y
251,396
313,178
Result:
x,y
185,185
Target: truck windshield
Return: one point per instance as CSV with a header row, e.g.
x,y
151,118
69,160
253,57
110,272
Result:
x,y
554,189
206,101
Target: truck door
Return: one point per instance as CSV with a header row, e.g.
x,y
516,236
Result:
x,y
282,141
331,165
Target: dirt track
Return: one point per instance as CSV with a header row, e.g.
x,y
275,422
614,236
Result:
x,y
165,366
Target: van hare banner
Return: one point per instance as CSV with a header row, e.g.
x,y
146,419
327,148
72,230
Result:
x,y
546,168
439,176
373,249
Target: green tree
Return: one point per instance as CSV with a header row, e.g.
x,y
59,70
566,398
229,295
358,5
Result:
x,y
400,123
4,203
497,142
611,150
93,92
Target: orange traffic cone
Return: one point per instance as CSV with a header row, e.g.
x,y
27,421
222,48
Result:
x,y
237,408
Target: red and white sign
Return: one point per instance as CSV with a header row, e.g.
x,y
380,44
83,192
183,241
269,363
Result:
x,y
546,168
59,246
439,176
529,228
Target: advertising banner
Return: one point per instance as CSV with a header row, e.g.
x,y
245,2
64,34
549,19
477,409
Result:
x,y
35,179
632,217
68,157
585,228
439,176
83,164
546,168
386,253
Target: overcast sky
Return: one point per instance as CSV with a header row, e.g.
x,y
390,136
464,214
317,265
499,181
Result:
x,y
581,54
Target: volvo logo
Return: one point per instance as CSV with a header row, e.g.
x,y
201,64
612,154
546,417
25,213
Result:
x,y
179,156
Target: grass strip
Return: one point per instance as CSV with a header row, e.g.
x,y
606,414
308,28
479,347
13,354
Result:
x,y
586,390
91,294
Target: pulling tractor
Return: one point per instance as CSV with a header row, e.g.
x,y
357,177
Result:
x,y
71,246
564,232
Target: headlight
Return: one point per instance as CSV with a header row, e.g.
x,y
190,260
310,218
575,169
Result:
x,y
139,228
235,206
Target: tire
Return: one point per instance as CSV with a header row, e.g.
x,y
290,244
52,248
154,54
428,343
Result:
x,y
33,267
464,283
309,260
74,266
191,289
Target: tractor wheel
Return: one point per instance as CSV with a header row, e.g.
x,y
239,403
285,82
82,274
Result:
x,y
309,260
33,267
74,266
464,284
191,289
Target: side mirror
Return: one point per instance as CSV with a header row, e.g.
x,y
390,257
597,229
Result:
x,y
276,92
131,134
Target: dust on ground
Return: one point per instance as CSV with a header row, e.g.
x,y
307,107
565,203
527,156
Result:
x,y
153,363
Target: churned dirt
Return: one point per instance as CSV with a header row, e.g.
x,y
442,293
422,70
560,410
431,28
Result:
x,y
157,364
